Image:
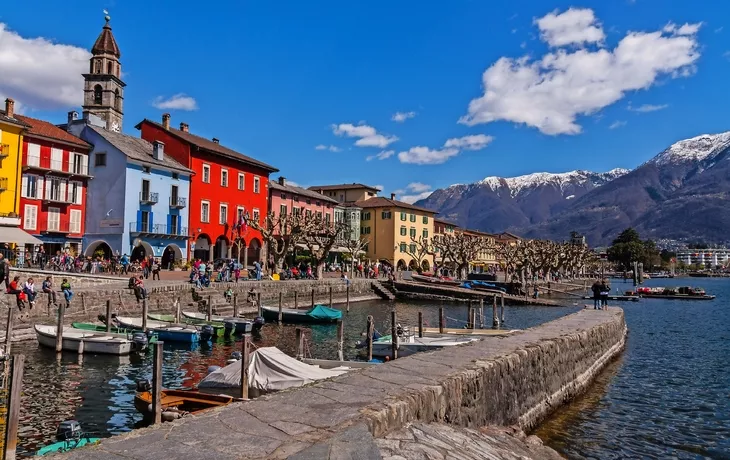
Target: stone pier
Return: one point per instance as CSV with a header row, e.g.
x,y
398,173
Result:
x,y
512,381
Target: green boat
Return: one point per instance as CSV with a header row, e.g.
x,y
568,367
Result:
x,y
114,329
65,446
219,329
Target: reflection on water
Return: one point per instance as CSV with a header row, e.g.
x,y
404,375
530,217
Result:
x,y
669,394
98,391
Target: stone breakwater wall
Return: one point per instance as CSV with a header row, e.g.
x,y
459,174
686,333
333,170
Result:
x,y
515,380
76,279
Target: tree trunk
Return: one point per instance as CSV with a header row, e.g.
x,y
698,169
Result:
x,y
463,271
320,269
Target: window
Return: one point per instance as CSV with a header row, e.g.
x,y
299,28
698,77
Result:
x,y
145,190
79,164
175,176
403,216
206,174
146,169
255,215
97,94
365,230
30,217
402,247
223,214
117,100
34,154
54,189
296,211
282,210
241,181
57,159
239,213
256,185
100,159
54,219
425,219
204,211
308,213
319,215
173,195
413,248
403,230
109,67
425,233
413,232
31,187
366,215
386,215
327,218
74,192
224,178
144,224
413,217
309,201
75,221
174,221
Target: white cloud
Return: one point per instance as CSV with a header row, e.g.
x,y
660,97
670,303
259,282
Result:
x,y
382,155
686,29
368,136
379,187
648,108
574,26
473,142
331,148
413,198
617,124
400,117
41,74
418,187
178,101
551,92
425,156
417,190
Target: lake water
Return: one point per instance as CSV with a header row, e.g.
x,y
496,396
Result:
x,y
98,391
668,396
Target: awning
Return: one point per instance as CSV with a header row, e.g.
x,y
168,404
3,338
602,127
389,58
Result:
x,y
17,236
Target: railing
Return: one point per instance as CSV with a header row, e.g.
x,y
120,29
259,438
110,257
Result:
x,y
57,199
149,197
157,229
60,227
177,202
58,166
3,184
4,150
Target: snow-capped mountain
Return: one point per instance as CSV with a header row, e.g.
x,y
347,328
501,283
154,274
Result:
x,y
695,149
562,181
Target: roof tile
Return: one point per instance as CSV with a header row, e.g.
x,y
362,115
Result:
x,y
50,131
382,202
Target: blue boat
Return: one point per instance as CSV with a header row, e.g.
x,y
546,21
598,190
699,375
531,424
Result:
x,y
166,332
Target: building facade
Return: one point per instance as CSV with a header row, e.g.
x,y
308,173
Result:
x,y
225,185
285,199
486,258
346,193
708,258
138,199
55,178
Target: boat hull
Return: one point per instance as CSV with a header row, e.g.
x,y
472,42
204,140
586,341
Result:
x,y
241,326
678,297
219,329
105,345
165,332
293,316
193,402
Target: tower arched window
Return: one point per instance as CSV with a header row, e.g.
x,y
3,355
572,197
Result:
x,y
97,67
97,94
117,99
109,67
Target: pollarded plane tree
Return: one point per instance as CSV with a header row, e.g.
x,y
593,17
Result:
x,y
280,232
320,236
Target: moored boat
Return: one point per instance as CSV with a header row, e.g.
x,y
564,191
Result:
x,y
93,342
165,331
219,329
239,325
677,293
178,402
317,314
69,437
434,280
411,344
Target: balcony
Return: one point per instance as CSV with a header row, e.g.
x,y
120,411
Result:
x,y
60,227
4,151
149,197
3,184
145,229
177,202
57,199
57,167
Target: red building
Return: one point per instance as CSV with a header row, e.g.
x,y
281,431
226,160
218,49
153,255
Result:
x,y
225,185
53,189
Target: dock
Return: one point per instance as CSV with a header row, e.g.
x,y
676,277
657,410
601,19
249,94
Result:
x,y
479,332
416,290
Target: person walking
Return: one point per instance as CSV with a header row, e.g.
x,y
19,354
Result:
x,y
4,272
605,290
125,264
156,269
47,288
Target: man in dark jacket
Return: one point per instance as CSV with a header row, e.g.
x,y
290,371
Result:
x,y
596,289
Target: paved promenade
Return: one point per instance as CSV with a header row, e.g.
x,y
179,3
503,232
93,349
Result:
x,y
498,381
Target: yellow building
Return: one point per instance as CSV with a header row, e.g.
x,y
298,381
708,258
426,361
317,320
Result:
x,y
391,226
347,193
485,258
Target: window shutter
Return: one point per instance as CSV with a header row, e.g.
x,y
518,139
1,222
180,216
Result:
x,y
39,188
49,186
139,220
150,223
62,195
24,187
84,164
34,217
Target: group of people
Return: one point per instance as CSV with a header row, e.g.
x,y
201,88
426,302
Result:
x,y
601,289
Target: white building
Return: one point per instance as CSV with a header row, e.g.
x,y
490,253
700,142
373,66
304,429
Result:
x,y
707,257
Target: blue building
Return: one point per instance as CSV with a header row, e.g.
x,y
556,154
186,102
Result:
x,y
137,203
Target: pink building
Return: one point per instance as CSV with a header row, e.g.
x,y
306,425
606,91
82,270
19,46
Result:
x,y
289,199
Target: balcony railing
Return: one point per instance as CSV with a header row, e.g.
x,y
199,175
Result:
x,y
60,227
149,197
177,202
4,150
157,229
3,184
56,199
62,167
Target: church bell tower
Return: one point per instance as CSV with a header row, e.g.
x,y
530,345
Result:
x,y
103,87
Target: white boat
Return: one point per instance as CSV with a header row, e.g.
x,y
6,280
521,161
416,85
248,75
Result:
x,y
165,331
410,344
94,342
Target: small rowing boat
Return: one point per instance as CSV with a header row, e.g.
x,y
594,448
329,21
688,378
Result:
x,y
239,325
219,329
434,280
411,344
676,293
317,314
165,331
179,402
93,342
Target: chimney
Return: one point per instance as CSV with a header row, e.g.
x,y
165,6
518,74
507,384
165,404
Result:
x,y
216,140
282,180
158,150
166,121
72,116
392,196
10,108
184,127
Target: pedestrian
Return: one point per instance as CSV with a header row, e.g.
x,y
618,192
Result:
x,y
156,269
4,271
139,289
605,290
47,288
237,272
125,264
67,292
29,290
596,290
257,269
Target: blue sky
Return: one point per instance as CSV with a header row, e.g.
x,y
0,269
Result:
x,y
275,80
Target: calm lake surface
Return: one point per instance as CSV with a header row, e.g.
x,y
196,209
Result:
x,y
668,396
98,391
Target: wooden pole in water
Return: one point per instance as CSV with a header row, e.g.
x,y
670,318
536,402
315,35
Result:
x,y
393,336
420,324
341,340
441,320
258,302
157,383
474,318
13,406
347,292
210,309
312,297
495,318
177,310
469,324
330,296
481,313
300,343
9,332
548,288
83,302
502,305
281,311
108,315
144,315
245,361
235,305
59,328
296,300
371,331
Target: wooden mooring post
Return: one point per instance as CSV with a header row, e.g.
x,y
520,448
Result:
x,y
469,310
420,324
177,310
235,305
341,340
330,296
245,361
300,343
481,313
13,407
473,318
281,310
312,297
144,315
495,317
108,315
441,320
347,293
59,328
209,314
502,306
296,300
393,335
157,383
9,331
258,303
371,331
83,302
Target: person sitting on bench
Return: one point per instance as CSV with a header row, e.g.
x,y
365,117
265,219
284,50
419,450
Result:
x,y
48,289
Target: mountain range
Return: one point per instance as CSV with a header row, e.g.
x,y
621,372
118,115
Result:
x,y
679,194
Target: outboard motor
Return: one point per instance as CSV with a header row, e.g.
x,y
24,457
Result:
x,y
236,355
140,341
206,332
143,385
258,323
212,369
68,429
230,327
